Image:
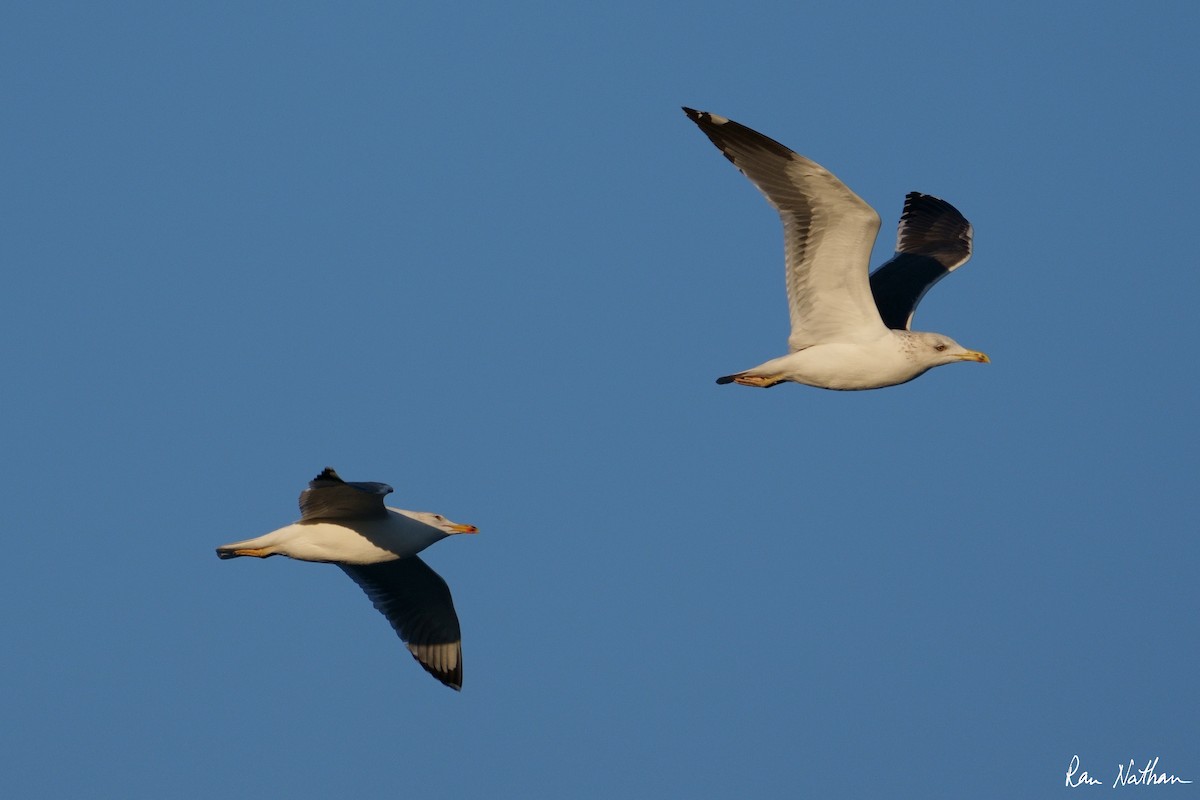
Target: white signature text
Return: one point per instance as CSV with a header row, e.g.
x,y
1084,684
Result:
x,y
1127,775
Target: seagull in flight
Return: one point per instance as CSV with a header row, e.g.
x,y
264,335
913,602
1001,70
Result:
x,y
347,524
849,330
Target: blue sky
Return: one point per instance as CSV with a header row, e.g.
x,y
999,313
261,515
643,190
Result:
x,y
480,254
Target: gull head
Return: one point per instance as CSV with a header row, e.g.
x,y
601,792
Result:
x,y
936,349
438,522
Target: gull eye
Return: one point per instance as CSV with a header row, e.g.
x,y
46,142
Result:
x,y
939,347
439,517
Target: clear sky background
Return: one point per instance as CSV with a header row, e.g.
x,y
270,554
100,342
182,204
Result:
x,y
479,253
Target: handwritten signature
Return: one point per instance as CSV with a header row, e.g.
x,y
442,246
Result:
x,y
1127,775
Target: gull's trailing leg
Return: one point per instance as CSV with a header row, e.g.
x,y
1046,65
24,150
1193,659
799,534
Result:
x,y
257,552
761,381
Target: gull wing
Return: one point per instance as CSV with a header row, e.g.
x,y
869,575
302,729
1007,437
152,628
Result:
x,y
932,240
330,497
417,602
828,233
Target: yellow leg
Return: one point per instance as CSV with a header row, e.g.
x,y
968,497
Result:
x,y
257,552
761,381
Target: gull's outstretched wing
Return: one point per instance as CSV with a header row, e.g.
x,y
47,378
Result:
x,y
828,233
330,497
932,241
417,602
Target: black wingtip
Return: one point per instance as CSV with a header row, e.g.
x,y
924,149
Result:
x,y
328,474
452,678
929,226
724,379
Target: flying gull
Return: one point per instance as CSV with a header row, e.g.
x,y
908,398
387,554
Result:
x,y
347,524
848,331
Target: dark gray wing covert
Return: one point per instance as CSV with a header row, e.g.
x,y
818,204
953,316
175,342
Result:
x,y
417,602
330,497
932,240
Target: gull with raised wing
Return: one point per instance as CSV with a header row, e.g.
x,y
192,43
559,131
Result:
x,y
849,331
347,524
